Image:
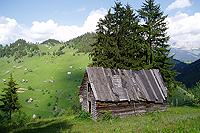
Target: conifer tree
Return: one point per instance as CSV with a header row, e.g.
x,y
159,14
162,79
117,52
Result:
x,y
9,99
118,40
156,39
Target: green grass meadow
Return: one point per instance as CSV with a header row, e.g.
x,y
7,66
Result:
x,y
53,83
45,79
174,120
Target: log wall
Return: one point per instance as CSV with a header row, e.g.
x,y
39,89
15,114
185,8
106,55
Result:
x,y
128,108
83,93
87,97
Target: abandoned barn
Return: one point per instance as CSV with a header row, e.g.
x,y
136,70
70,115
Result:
x,y
122,92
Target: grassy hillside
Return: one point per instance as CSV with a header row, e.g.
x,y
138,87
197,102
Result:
x,y
83,43
51,81
175,119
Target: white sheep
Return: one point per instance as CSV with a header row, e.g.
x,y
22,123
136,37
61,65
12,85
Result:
x,y
69,73
34,116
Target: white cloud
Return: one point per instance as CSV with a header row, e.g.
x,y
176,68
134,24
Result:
x,y
91,21
10,30
179,4
184,30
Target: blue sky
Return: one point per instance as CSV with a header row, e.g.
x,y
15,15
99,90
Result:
x,y
37,20
68,12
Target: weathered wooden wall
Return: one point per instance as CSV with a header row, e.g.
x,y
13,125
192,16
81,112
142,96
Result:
x,y
87,97
83,93
129,108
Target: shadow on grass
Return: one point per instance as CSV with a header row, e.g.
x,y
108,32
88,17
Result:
x,y
52,127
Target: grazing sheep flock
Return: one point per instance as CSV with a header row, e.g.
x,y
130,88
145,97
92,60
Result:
x,y
43,88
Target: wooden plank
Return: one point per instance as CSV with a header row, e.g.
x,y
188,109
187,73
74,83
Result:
x,y
103,85
91,83
144,82
110,90
125,89
131,83
138,91
152,89
137,78
157,85
160,82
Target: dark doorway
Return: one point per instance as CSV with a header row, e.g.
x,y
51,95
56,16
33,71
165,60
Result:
x,y
90,106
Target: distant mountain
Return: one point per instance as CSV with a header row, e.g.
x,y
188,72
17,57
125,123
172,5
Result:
x,y
179,66
83,42
19,49
189,74
52,42
186,55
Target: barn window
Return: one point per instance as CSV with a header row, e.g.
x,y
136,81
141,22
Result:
x,y
90,106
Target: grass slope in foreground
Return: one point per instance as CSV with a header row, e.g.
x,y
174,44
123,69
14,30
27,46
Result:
x,y
175,119
47,80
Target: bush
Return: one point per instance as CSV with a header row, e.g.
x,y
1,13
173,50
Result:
x,y
196,92
181,97
19,119
49,104
4,123
43,53
76,108
30,88
105,115
59,52
30,55
68,112
84,115
36,105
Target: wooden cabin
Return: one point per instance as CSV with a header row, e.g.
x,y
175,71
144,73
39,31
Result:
x,y
123,92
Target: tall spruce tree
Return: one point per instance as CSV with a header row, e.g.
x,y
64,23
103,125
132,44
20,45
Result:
x,y
9,99
156,40
118,40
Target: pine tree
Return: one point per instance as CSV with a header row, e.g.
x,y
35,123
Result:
x,y
9,98
156,40
118,40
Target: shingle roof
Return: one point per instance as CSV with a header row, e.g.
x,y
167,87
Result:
x,y
126,85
